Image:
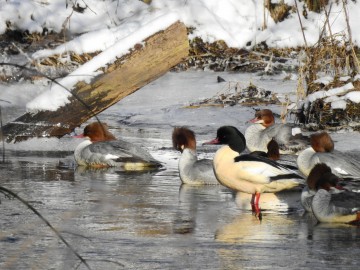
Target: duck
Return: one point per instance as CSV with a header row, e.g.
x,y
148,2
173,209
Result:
x,y
334,204
273,151
309,190
322,150
101,149
264,129
252,174
192,171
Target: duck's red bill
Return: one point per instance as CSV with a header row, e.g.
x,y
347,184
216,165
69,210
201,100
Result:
x,y
79,136
214,141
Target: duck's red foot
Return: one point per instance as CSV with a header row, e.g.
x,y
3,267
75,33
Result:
x,y
255,206
356,222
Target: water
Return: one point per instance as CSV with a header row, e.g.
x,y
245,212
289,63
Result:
x,y
119,220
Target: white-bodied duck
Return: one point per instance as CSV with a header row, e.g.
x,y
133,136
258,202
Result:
x,y
264,129
322,151
249,173
102,149
192,170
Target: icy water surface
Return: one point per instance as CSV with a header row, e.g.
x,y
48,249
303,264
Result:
x,y
119,220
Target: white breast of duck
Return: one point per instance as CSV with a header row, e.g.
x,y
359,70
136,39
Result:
x,y
256,139
325,211
306,160
196,172
250,176
78,153
306,198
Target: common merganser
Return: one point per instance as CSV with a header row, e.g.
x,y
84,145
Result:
x,y
249,173
192,170
309,190
102,149
333,205
264,129
273,151
322,151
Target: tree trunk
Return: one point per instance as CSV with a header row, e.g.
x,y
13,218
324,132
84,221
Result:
x,y
146,62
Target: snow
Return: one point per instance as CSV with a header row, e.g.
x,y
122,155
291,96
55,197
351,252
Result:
x,y
336,96
338,104
114,27
354,96
237,22
58,94
325,80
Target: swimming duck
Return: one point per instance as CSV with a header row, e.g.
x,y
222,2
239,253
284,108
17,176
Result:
x,y
264,129
192,170
273,151
102,149
309,190
333,205
246,172
322,151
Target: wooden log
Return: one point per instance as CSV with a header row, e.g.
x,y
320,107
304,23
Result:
x,y
146,62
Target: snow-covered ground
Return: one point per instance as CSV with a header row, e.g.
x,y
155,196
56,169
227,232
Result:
x,y
238,22
111,26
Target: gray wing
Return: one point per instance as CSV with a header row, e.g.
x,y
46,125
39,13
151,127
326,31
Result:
x,y
282,133
346,199
204,165
203,169
124,150
341,164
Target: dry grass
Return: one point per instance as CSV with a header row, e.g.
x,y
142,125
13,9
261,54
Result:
x,y
335,57
331,56
279,11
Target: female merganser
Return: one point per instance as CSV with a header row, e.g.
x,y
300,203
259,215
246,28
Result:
x,y
309,190
192,170
265,129
102,149
322,151
249,173
273,151
334,205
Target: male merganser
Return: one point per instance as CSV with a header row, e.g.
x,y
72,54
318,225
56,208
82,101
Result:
x,y
322,151
102,149
309,190
249,173
334,205
192,170
265,129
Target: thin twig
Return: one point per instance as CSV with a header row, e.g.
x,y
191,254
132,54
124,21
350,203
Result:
x,y
350,36
302,28
1,137
9,192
